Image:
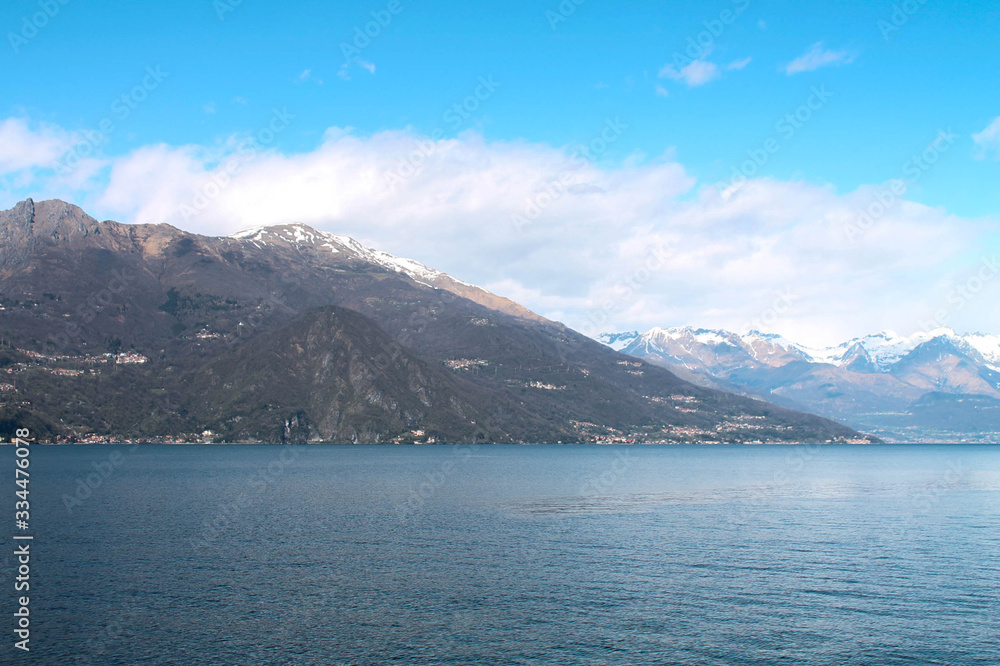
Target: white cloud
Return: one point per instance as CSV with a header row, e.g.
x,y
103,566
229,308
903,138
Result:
x,y
171,177
604,247
739,64
817,57
344,71
307,75
987,142
209,108
25,145
661,91
695,73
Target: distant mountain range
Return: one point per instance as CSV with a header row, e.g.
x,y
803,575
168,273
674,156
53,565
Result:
x,y
934,385
114,331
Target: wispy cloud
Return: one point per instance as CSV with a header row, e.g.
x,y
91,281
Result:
x,y
661,91
345,70
695,73
209,107
307,75
817,57
987,142
739,64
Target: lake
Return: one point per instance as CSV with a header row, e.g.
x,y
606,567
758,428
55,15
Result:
x,y
513,554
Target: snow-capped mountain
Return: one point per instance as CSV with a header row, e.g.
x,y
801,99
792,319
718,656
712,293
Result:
x,y
336,243
875,381
888,348
987,345
292,335
617,341
349,249
699,347
882,350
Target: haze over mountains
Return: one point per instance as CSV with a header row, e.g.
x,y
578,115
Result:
x,y
935,385
285,333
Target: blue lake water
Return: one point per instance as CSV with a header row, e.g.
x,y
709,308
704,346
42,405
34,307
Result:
x,y
512,555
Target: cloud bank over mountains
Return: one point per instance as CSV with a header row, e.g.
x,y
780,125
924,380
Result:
x,y
599,246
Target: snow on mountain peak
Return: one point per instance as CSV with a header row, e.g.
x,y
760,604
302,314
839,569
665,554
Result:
x,y
988,346
290,233
300,234
881,350
703,335
888,347
617,341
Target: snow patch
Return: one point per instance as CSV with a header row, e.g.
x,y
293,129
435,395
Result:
x,y
884,349
300,234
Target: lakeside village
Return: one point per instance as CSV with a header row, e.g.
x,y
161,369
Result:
x,y
676,434
50,363
45,361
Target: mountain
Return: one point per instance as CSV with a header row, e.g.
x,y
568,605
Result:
x,y
323,368
617,341
298,235
286,333
893,385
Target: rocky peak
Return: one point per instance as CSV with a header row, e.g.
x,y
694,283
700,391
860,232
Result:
x,y
16,233
53,219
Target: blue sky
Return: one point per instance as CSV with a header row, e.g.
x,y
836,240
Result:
x,y
891,77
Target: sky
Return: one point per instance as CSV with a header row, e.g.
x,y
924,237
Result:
x,y
821,172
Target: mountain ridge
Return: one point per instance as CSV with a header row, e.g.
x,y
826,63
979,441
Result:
x,y
854,382
78,293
